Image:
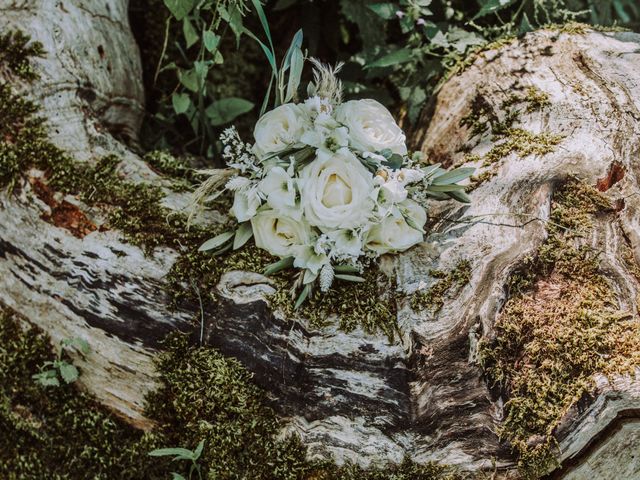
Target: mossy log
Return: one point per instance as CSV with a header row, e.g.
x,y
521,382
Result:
x,y
532,115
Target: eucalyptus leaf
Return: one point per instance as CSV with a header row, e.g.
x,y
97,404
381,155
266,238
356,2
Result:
x,y
349,278
242,236
460,196
297,63
445,188
453,176
303,296
345,269
177,453
278,266
216,241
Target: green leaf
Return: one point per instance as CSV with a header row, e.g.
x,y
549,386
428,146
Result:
x,y
263,20
190,34
69,372
296,43
297,63
384,10
227,109
349,278
454,176
189,78
210,40
179,8
48,378
525,25
180,102
492,6
177,453
233,17
460,196
346,269
198,451
243,234
394,162
303,296
216,241
278,266
394,58
177,476
445,188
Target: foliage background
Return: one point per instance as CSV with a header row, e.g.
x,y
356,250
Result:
x,y
397,52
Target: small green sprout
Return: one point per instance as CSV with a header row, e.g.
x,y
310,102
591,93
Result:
x,y
182,454
51,372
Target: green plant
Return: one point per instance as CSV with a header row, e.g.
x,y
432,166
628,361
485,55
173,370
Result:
x,y
203,25
52,371
182,454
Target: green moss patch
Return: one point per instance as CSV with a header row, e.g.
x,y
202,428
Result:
x,y
560,326
59,432
446,285
16,50
62,433
500,122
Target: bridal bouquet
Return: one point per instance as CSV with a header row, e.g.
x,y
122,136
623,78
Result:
x,y
326,186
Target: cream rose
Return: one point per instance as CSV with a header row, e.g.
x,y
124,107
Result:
x,y
279,129
371,127
336,191
280,235
394,233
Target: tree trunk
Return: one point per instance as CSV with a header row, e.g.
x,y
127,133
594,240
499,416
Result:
x,y
349,395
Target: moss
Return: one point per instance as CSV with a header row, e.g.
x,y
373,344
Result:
x,y
447,284
577,28
522,142
16,49
560,326
205,396
59,433
369,305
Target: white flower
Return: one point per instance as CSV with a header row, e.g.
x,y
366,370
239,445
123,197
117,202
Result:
x,y
245,203
279,129
278,187
394,233
336,191
347,245
308,259
280,235
371,126
318,105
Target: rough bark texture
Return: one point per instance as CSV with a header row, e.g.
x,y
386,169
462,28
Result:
x,y
352,396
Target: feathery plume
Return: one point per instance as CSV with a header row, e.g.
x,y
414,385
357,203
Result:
x,y
325,82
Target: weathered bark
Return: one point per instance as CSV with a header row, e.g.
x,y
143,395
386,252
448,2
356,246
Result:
x,y
348,395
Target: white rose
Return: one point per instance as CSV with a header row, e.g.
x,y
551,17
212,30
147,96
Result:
x,y
245,203
336,191
279,129
371,126
280,235
394,234
278,187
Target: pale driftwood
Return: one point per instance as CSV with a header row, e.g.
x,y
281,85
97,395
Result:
x,y
350,396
